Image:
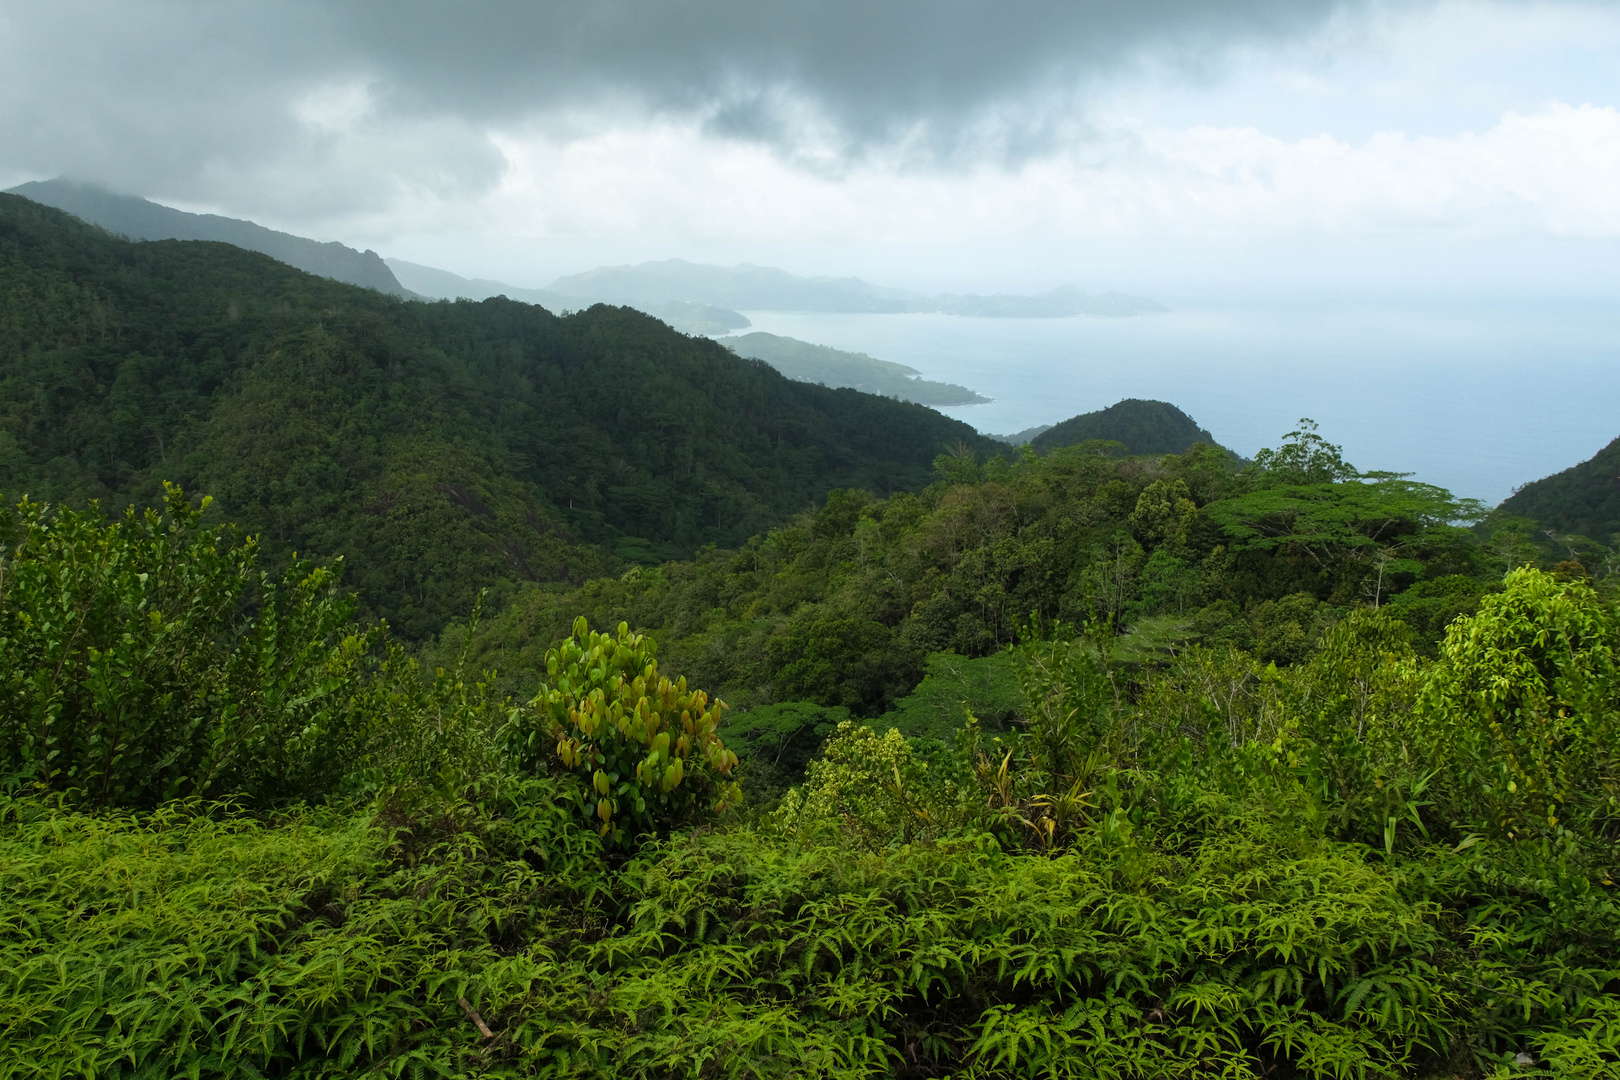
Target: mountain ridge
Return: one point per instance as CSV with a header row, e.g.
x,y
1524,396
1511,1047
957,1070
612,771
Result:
x,y
686,316
1582,500
143,219
439,448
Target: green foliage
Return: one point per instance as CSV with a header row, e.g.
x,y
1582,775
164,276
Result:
x,y
955,687
1289,629
863,785
835,661
1582,500
645,750
1242,956
150,658
1428,607
1175,868
1305,458
1527,693
843,606
196,942
1141,427
775,743
1243,824
441,448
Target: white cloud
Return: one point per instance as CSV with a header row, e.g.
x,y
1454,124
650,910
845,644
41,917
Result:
x,y
1546,173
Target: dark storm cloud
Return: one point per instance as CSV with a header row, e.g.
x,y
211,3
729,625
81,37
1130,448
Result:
x,y
872,64
191,98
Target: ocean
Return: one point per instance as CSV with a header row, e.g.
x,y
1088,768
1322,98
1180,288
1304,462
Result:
x,y
1478,397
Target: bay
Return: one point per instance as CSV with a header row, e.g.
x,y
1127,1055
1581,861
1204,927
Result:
x,y
1478,396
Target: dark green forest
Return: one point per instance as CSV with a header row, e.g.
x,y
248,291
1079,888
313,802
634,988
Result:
x,y
792,733
1141,427
442,447
1578,509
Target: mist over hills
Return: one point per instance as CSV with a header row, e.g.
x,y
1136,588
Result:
x,y
142,219
692,297
439,284
686,316
763,288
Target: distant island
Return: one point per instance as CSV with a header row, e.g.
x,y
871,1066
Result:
x,y
694,298
687,316
833,367
763,288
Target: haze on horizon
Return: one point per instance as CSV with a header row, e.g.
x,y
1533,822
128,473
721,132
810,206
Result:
x,y
1162,147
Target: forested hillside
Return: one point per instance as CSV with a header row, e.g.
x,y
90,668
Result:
x,y
142,219
439,447
1141,427
850,606
241,836
1581,505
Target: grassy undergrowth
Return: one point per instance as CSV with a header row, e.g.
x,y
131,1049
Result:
x,y
197,941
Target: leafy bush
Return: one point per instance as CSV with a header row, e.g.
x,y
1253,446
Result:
x,y
149,659
863,785
1527,695
645,749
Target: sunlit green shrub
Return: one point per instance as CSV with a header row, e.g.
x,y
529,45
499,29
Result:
x,y
645,749
1527,695
865,784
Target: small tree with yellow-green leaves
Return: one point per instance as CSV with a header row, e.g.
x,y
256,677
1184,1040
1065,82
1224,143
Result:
x,y
644,747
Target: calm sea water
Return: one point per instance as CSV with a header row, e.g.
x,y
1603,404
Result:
x,y
1478,398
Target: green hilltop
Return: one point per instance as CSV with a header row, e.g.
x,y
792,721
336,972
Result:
x,y
1142,427
1583,500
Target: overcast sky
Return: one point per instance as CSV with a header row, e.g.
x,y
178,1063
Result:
x,y
965,144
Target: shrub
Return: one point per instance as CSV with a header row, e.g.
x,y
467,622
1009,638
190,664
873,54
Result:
x,y
864,784
150,658
1525,693
644,748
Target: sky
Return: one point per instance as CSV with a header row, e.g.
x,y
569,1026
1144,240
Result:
x,y
1163,146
